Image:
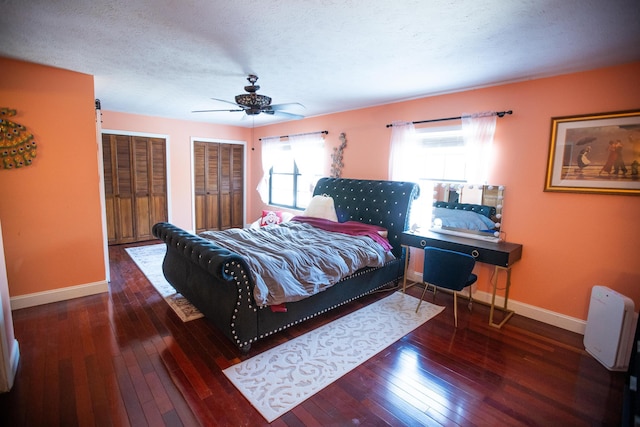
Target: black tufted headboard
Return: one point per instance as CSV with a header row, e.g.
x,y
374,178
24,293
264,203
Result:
x,y
383,203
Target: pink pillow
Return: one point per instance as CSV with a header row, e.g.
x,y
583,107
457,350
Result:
x,y
270,217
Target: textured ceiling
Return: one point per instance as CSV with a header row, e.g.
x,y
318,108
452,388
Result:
x,y
168,57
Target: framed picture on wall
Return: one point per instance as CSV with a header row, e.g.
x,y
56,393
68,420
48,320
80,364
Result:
x,y
597,153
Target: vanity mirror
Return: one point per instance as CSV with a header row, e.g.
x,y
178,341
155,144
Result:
x,y
473,211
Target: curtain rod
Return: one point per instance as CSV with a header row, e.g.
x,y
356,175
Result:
x,y
499,114
326,132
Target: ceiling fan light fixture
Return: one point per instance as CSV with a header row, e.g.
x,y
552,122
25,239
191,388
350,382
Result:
x,y
253,100
253,104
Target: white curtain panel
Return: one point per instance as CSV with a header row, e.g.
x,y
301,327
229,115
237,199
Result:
x,y
271,147
478,129
402,151
309,155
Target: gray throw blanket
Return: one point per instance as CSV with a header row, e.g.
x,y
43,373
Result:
x,y
292,261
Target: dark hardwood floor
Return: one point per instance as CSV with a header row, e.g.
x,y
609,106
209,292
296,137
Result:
x,y
125,359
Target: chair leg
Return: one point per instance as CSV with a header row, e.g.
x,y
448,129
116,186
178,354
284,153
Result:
x,y
470,306
426,285
455,308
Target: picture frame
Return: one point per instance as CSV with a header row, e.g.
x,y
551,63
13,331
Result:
x,y
596,153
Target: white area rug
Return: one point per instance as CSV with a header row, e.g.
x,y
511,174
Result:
x,y
281,378
149,260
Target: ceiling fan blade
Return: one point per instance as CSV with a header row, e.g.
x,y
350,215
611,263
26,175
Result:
x,y
290,115
229,102
279,107
214,111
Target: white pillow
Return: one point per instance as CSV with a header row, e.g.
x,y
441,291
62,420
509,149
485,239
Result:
x,y
321,207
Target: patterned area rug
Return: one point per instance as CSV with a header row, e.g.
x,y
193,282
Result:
x,y
149,260
281,378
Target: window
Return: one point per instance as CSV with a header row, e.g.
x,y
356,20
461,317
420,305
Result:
x,y
442,156
286,186
441,152
460,153
426,156
291,169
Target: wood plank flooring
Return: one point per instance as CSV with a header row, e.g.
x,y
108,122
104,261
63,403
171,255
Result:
x,y
123,358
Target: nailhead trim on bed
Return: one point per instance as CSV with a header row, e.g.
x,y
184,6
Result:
x,y
242,283
357,273
266,334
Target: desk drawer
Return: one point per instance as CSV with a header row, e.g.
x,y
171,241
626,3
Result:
x,y
502,254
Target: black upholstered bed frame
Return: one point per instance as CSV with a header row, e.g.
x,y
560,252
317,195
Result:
x,y
218,282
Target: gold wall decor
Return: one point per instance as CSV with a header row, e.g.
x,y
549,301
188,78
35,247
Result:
x,y
17,147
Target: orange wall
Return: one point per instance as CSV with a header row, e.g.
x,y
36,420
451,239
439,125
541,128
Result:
x,y
571,241
50,210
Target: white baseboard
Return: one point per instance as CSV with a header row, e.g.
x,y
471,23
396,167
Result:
x,y
55,295
532,312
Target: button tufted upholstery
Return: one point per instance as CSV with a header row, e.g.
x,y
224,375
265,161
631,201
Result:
x,y
201,251
382,203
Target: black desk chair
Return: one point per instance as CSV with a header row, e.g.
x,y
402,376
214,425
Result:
x,y
449,270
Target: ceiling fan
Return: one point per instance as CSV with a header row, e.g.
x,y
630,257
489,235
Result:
x,y
252,103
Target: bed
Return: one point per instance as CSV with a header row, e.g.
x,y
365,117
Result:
x,y
224,285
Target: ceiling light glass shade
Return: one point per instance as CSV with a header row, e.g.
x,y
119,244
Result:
x,y
253,100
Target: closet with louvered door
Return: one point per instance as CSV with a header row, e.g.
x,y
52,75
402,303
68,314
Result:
x,y
219,185
135,181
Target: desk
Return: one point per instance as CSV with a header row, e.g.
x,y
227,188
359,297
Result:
x,y
501,255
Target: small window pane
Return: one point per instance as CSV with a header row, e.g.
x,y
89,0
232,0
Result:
x,y
282,190
442,154
284,162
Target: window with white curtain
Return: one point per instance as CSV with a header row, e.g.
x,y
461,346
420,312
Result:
x,y
442,155
292,169
438,155
458,153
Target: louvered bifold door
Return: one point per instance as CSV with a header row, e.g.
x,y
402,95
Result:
x,y
212,187
135,186
158,170
219,185
237,186
141,183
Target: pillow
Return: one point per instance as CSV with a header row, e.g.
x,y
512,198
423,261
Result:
x,y
270,217
284,216
321,207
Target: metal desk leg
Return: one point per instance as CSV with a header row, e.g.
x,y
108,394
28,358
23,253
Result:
x,y
406,266
494,282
